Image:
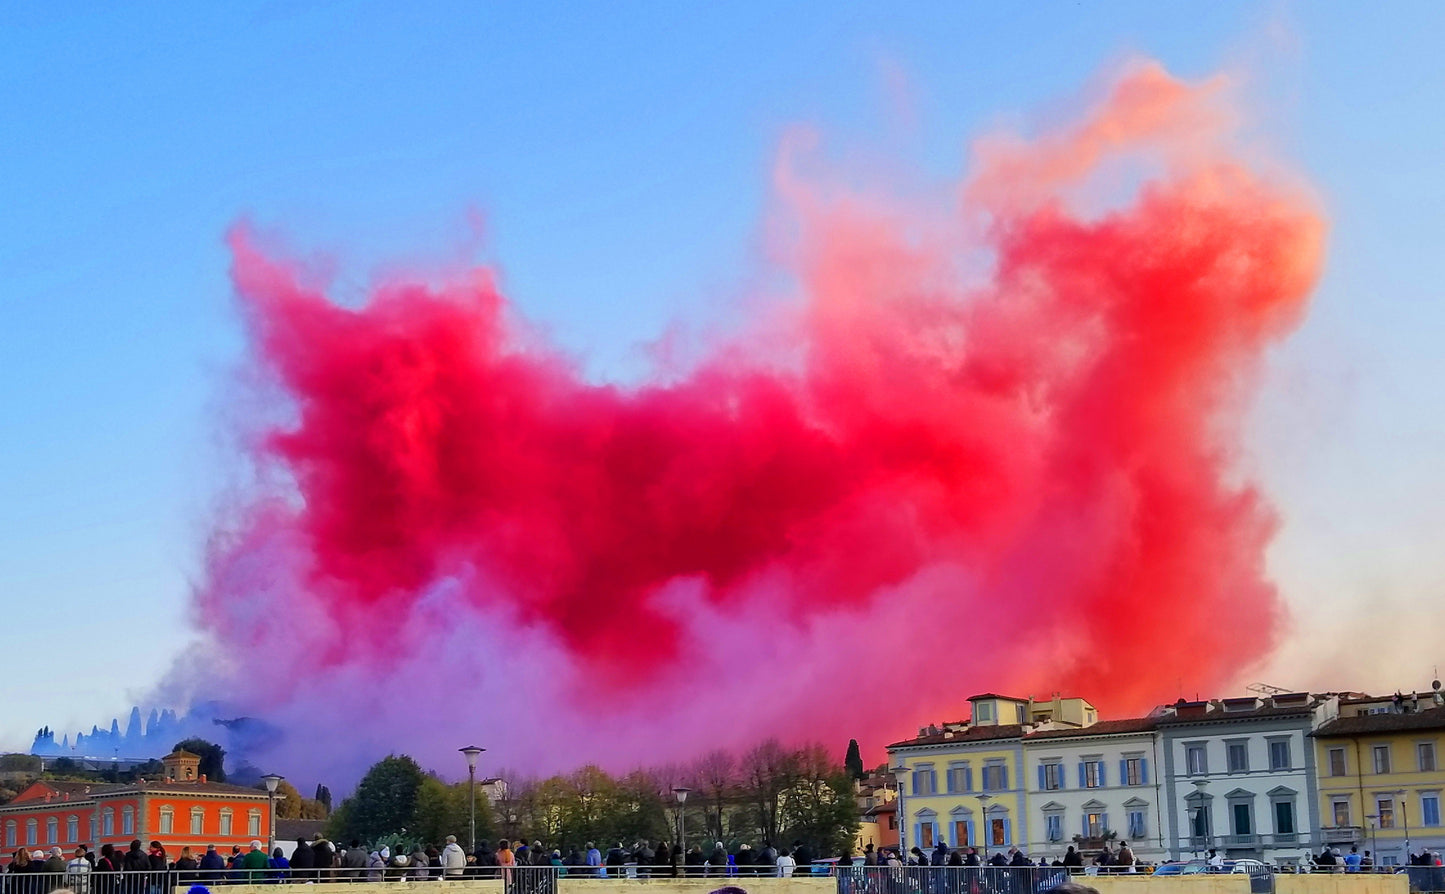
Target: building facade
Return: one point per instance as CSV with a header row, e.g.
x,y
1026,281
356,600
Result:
x,y
182,809
1380,777
1095,786
1240,776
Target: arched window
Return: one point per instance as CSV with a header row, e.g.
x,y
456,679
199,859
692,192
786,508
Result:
x,y
11,834
107,822
127,821
225,821
253,823
52,830
168,821
198,820
32,831
72,829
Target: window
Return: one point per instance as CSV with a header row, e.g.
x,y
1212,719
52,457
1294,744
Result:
x,y
72,829
1051,777
985,712
1136,771
1093,774
1194,760
1136,824
127,821
1279,757
1382,759
1342,813
32,833
892,822
1243,815
1425,756
1385,810
1337,762
1094,825
1054,826
1238,756
10,835
253,823
198,820
1430,810
1022,714
52,831
226,822
168,821
960,778
998,831
925,780
995,777
925,834
962,835
1284,818
107,822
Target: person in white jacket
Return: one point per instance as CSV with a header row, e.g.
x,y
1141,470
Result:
x,y
786,864
454,859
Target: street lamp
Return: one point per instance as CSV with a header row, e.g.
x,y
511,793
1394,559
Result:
x,y
472,752
1374,819
272,781
681,794
1405,817
1200,823
983,823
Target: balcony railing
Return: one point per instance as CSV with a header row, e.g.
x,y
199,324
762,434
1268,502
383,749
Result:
x,y
1343,834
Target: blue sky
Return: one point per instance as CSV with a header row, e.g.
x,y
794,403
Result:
x,y
620,155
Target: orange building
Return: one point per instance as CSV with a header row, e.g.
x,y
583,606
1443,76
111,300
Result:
x,y
182,809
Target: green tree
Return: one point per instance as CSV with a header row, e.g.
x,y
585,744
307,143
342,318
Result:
x,y
441,810
213,757
290,804
384,802
819,806
853,762
323,797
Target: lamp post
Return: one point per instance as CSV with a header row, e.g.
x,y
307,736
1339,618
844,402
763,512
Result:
x,y
1405,818
898,811
472,752
1374,819
681,794
1200,817
272,781
983,823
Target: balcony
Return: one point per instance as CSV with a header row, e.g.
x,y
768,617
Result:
x,y
1342,834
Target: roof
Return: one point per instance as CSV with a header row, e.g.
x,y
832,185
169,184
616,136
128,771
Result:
x,y
1102,728
1007,698
292,829
972,734
1230,716
885,807
1367,724
36,791
181,753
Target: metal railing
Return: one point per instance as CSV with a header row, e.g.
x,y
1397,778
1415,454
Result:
x,y
950,879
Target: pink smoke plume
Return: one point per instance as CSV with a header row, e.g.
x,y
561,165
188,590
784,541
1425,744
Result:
x,y
919,476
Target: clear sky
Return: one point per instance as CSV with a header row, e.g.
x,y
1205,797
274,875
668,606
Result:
x,y
619,154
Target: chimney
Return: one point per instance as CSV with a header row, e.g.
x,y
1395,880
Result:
x,y
203,779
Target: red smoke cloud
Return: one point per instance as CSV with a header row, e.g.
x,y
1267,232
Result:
x,y
921,476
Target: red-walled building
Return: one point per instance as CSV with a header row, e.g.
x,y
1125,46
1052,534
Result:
x,y
183,809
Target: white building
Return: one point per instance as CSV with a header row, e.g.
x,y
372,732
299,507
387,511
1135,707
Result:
x,y
1094,786
1240,776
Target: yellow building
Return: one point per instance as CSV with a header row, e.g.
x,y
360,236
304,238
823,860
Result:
x,y
962,784
1380,777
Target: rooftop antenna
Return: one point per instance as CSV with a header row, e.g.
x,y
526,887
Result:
x,y
1266,689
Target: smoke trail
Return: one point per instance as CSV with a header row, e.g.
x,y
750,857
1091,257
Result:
x,y
911,482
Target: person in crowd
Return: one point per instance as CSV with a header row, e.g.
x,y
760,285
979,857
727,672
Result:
x,y
646,858
1016,857
185,866
454,859
802,854
255,863
717,861
1215,861
1367,862
1125,857
55,861
916,857
972,858
870,856
279,866
420,865
613,862
1073,858
594,859
998,858
506,859
955,858
787,864
939,855
1352,860
375,867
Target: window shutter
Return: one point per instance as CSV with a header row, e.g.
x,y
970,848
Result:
x,y
968,779
1103,775
1144,770
1042,784
1083,775
1123,772
1008,835
969,831
1104,821
1085,825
